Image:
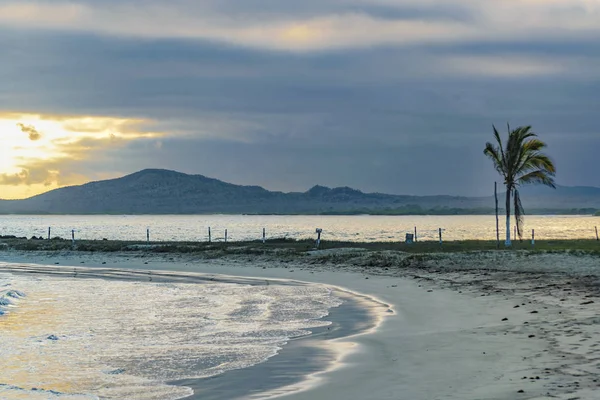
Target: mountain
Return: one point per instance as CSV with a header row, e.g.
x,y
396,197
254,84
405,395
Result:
x,y
563,197
156,191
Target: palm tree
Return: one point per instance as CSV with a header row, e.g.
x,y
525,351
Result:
x,y
520,162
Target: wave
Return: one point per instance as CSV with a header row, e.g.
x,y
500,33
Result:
x,y
142,333
8,297
11,391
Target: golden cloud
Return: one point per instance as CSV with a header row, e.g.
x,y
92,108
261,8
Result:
x,y
35,163
31,132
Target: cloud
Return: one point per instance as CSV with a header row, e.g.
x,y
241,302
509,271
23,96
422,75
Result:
x,y
324,25
33,175
70,144
30,131
320,90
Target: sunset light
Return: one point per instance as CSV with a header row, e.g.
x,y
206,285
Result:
x,y
37,148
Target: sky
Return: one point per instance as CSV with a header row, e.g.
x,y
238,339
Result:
x,y
394,96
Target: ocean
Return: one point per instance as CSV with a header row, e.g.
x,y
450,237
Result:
x,y
362,228
117,334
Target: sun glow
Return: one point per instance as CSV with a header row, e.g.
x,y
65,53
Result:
x,y
39,152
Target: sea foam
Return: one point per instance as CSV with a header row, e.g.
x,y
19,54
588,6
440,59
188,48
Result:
x,y
118,339
8,297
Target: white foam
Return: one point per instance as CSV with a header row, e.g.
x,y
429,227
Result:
x,y
8,296
118,339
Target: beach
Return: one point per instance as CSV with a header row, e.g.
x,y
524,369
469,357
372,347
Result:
x,y
480,325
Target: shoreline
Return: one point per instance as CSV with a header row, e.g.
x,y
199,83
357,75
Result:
x,y
296,366
292,369
506,321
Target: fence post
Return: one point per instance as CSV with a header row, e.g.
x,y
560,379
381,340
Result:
x,y
597,233
73,236
148,235
209,238
415,233
225,235
440,235
49,233
264,236
533,237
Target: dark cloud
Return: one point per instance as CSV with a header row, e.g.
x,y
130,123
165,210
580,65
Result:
x,y
31,132
389,118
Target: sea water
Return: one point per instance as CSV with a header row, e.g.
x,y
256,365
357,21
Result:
x,y
88,338
359,228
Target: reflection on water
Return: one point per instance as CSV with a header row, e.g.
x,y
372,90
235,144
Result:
x,y
94,338
249,227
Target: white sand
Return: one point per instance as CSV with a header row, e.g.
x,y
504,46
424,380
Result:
x,y
447,338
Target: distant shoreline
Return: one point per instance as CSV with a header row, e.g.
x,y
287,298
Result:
x,y
359,212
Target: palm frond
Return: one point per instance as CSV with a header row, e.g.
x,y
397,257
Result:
x,y
519,213
539,176
499,141
533,145
493,153
516,147
539,164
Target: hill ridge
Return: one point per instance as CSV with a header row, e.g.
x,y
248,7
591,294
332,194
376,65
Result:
x,y
163,191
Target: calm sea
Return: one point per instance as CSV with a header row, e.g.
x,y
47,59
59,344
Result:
x,y
250,227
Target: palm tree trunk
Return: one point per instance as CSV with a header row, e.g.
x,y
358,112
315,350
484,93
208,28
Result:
x,y
508,191
497,221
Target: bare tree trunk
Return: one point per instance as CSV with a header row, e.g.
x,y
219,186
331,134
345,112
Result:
x,y
497,222
508,191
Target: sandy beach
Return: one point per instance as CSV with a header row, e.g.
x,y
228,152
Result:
x,y
464,326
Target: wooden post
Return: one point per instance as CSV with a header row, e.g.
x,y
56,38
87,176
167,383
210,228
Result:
x,y
597,233
209,239
264,236
533,237
49,233
73,236
440,235
415,233
497,221
225,235
148,235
